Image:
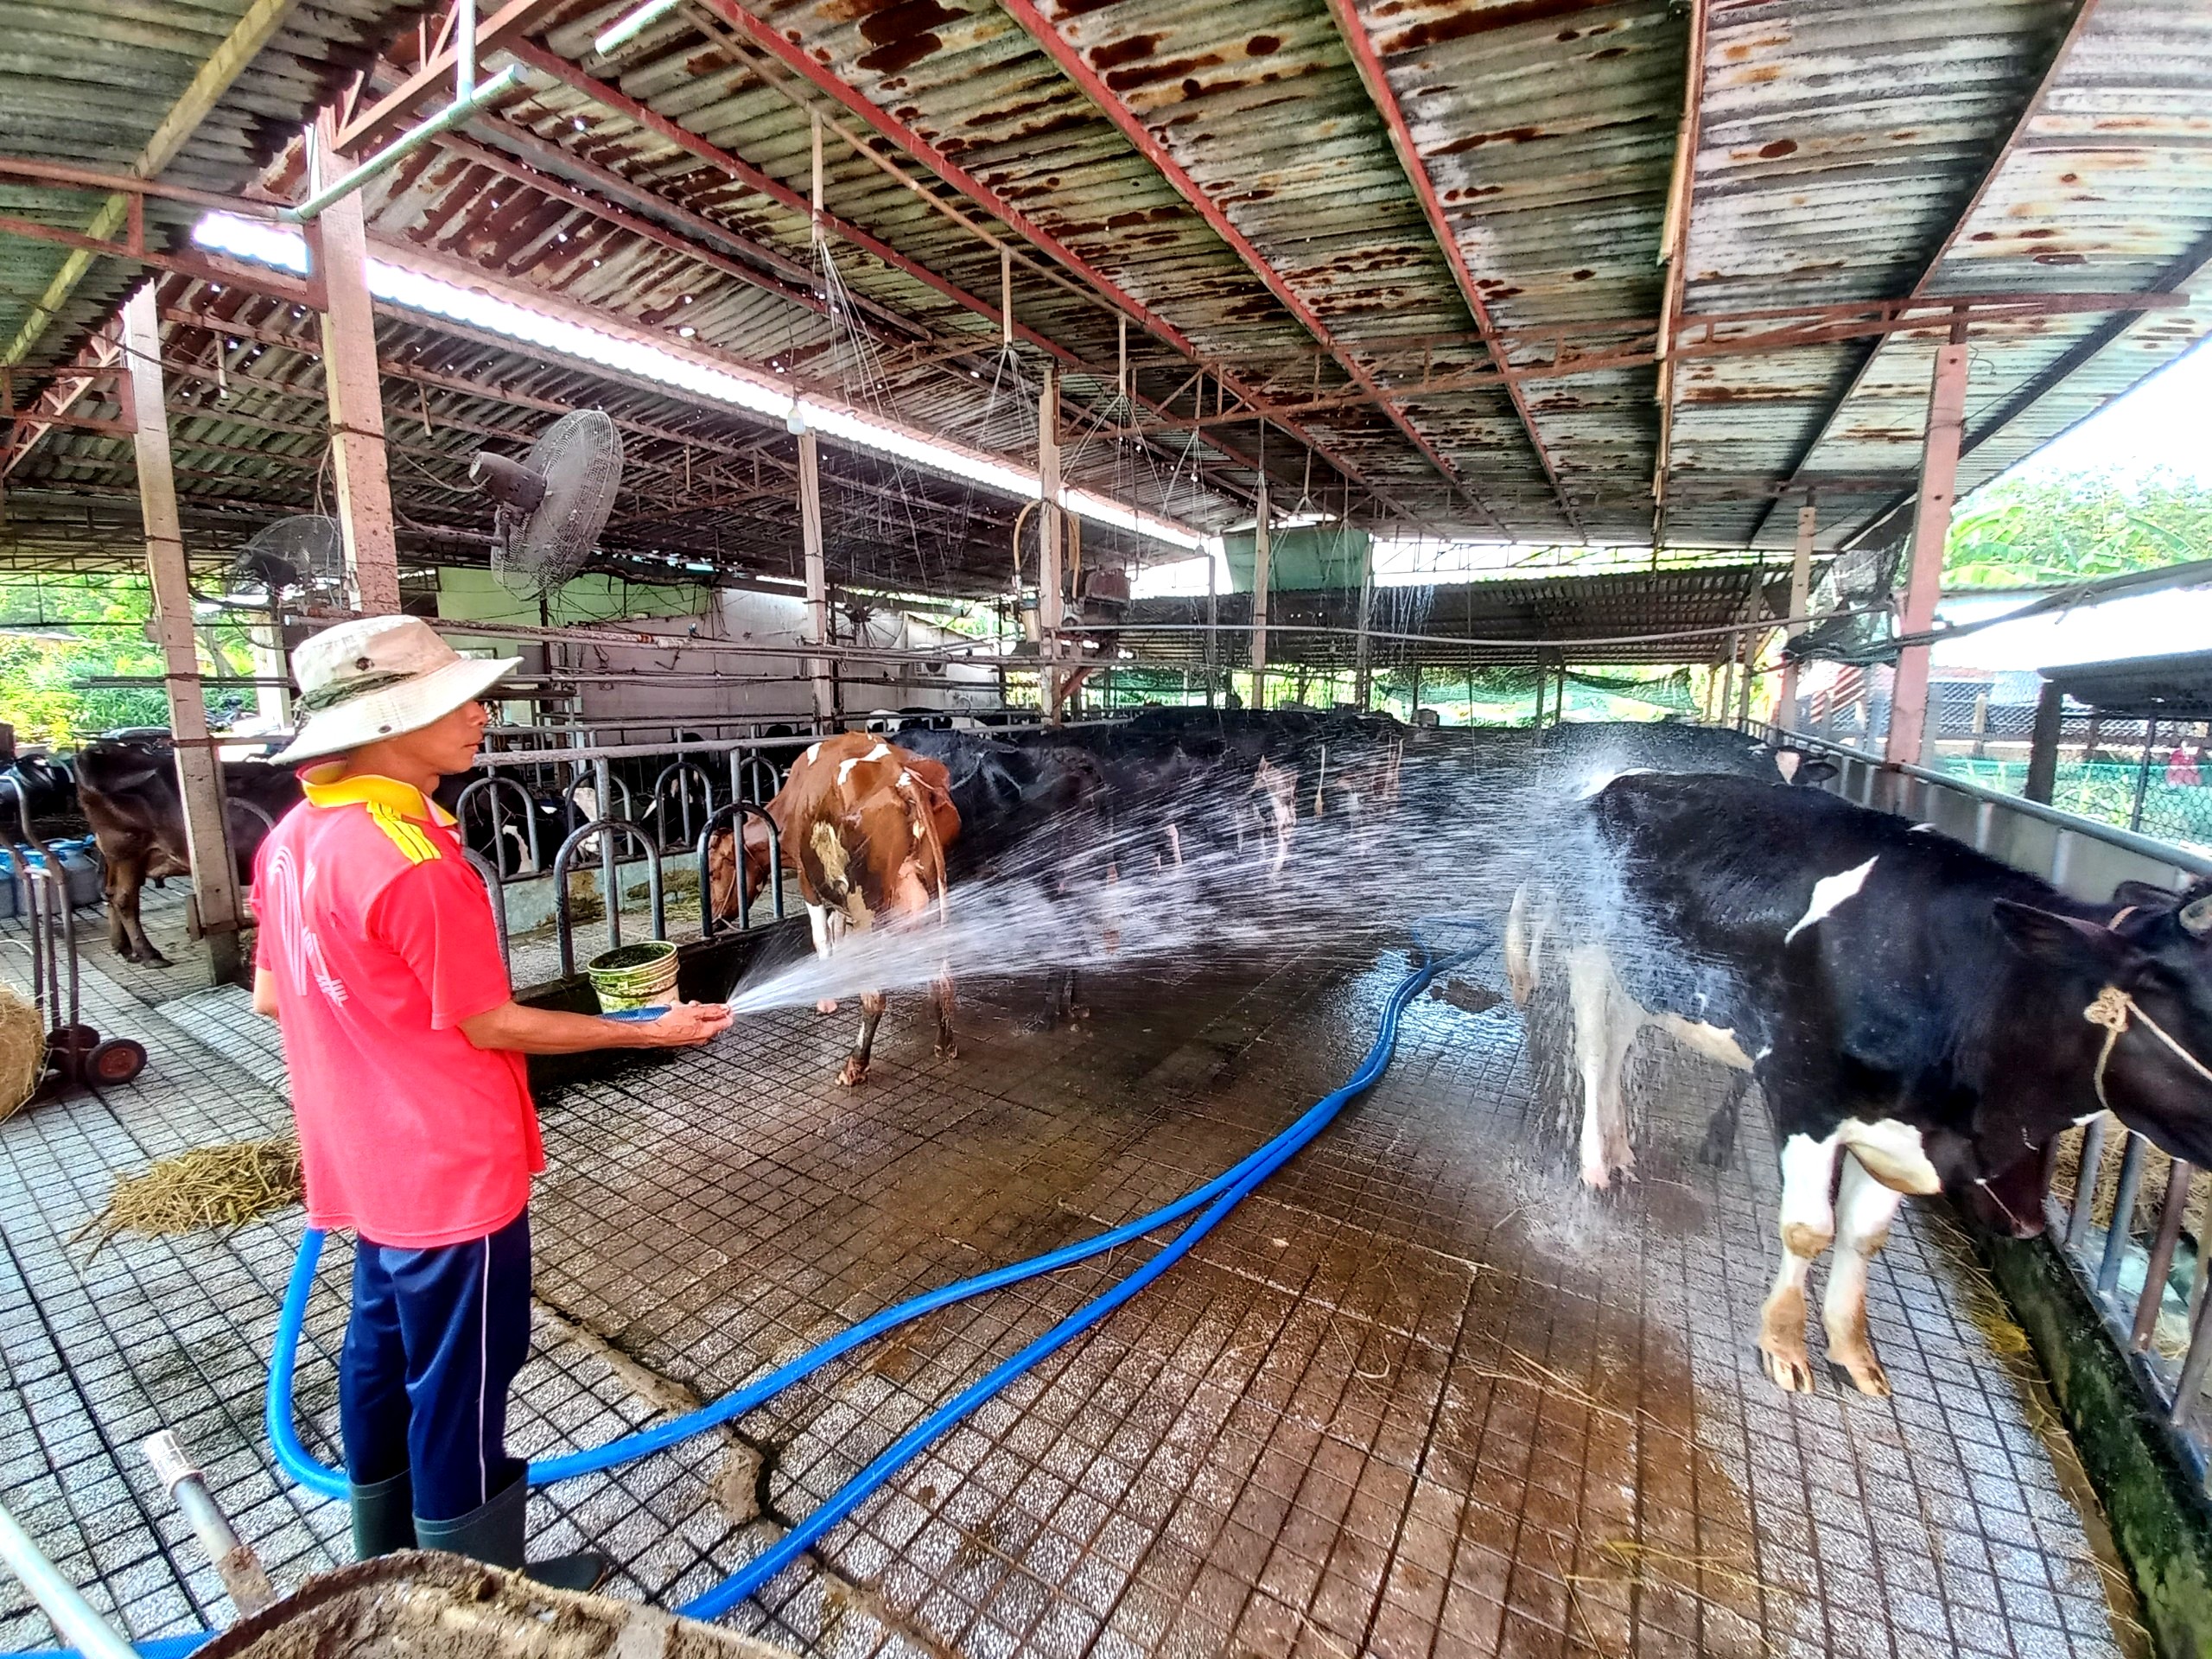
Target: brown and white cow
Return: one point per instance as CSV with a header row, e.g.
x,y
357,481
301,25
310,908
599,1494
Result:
x,y
864,825
128,789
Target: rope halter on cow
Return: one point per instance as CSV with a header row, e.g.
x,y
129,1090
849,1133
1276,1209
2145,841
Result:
x,y
2113,1009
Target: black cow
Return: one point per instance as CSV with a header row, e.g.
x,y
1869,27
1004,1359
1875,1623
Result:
x,y
1933,1013
48,786
1039,809
128,789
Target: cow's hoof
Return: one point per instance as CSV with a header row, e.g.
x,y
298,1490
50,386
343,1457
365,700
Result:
x,y
826,1005
855,1071
153,958
1864,1375
947,1051
1791,1370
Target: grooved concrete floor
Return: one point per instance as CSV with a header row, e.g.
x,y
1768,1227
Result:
x,y
1421,1395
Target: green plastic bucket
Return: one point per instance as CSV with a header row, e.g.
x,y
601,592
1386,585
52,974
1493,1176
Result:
x,y
634,976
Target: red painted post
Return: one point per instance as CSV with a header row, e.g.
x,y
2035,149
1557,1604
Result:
x,y
338,250
1931,524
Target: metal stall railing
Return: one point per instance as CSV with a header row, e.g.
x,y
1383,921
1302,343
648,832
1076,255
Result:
x,y
2145,1266
537,790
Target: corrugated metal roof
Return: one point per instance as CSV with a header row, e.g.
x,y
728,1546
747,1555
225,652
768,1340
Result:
x,y
88,82
1847,150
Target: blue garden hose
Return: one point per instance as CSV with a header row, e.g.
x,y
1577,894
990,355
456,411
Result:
x,y
1215,1200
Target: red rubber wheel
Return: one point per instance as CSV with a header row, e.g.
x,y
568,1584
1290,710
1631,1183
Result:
x,y
117,1060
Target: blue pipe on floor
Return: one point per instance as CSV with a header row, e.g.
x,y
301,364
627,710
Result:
x,y
1216,1198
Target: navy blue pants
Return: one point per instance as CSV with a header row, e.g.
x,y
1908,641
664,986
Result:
x,y
436,1337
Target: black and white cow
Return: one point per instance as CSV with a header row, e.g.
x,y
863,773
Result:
x,y
1919,1017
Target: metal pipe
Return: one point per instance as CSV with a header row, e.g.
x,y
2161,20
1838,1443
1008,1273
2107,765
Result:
x,y
564,924
2123,1215
2143,775
2087,1171
490,786
464,50
490,874
243,1577
465,108
2149,1305
729,819
73,1619
680,769
610,881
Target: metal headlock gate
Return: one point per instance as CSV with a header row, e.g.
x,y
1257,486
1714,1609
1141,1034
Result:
x,y
684,793
2128,1281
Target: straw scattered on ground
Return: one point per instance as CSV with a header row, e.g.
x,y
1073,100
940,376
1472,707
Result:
x,y
221,1186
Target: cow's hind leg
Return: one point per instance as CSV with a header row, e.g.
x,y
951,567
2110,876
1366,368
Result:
x,y
1808,1229
1864,1209
856,1070
124,889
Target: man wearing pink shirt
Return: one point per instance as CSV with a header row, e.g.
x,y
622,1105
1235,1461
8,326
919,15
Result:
x,y
379,958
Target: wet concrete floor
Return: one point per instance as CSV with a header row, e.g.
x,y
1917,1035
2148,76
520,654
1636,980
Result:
x,y
1420,1394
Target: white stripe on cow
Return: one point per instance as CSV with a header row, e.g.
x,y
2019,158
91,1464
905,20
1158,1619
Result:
x,y
1828,893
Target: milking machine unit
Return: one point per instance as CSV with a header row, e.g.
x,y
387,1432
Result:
x,y
49,881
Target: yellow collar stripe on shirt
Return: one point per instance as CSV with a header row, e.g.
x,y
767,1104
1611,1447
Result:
x,y
408,837
399,810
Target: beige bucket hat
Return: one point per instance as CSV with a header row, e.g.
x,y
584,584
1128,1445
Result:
x,y
376,677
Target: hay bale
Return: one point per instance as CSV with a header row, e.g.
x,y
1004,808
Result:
x,y
223,1185
23,1052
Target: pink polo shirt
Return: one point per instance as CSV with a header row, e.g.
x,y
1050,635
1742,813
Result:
x,y
381,936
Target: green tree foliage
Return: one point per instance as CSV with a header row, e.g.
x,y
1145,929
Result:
x,y
60,631
2050,530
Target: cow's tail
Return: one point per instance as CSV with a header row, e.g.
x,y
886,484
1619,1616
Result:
x,y
925,821
1527,921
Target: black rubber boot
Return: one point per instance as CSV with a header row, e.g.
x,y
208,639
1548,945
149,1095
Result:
x,y
384,1517
494,1534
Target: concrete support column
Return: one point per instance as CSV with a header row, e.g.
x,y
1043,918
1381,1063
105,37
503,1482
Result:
x,y
199,773
338,249
1931,525
2042,749
1052,609
1262,557
818,671
1362,658
1801,597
